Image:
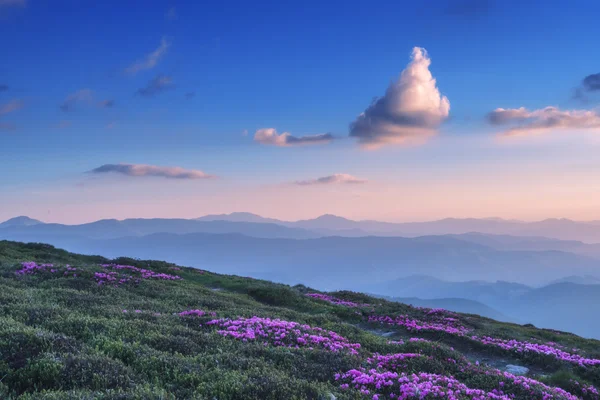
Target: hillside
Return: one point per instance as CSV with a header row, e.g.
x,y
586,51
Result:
x,y
81,327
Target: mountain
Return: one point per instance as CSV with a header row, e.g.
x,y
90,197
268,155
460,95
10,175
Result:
x,y
112,228
332,225
566,303
337,262
87,327
20,221
457,305
240,217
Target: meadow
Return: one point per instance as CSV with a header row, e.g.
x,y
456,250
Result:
x,y
85,327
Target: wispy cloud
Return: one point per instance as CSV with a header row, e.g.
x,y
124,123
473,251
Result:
x,y
270,136
3,87
6,126
410,111
526,122
13,3
11,106
171,15
332,179
157,85
106,104
150,60
83,96
190,95
140,170
62,124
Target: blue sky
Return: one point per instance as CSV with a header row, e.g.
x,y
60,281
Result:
x,y
307,68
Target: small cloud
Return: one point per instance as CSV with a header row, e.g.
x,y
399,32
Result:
x,y
171,15
139,170
13,3
410,111
157,85
106,104
271,137
150,60
3,88
332,179
111,125
190,95
589,84
62,124
79,97
11,106
544,120
7,127
245,132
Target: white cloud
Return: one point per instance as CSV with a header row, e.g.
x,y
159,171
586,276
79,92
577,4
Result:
x,y
80,96
332,179
139,170
150,60
271,137
410,111
544,120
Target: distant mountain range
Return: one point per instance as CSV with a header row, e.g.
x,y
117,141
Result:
x,y
560,305
475,262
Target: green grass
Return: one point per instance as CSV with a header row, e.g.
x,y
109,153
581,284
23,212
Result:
x,y
68,338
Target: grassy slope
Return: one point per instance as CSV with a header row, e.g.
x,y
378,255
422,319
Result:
x,y
68,338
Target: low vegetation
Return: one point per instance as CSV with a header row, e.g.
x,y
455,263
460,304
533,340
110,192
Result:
x,y
84,327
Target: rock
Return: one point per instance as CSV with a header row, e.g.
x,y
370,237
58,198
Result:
x,y
517,369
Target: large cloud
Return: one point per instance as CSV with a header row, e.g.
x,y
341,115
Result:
x,y
150,60
525,122
332,179
410,111
157,85
78,97
139,170
271,137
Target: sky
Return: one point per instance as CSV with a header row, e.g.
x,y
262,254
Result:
x,y
400,111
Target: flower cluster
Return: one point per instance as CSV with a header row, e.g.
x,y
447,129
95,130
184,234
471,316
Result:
x,y
415,386
414,325
526,347
145,273
278,332
336,301
32,268
197,313
70,271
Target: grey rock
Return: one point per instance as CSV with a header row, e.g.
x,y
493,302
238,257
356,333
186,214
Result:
x,y
517,369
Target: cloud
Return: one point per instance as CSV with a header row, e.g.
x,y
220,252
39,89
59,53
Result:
x,y
62,124
171,15
138,170
11,106
13,3
106,104
3,88
79,97
332,179
589,84
544,120
157,85
271,137
150,60
190,95
5,126
410,111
